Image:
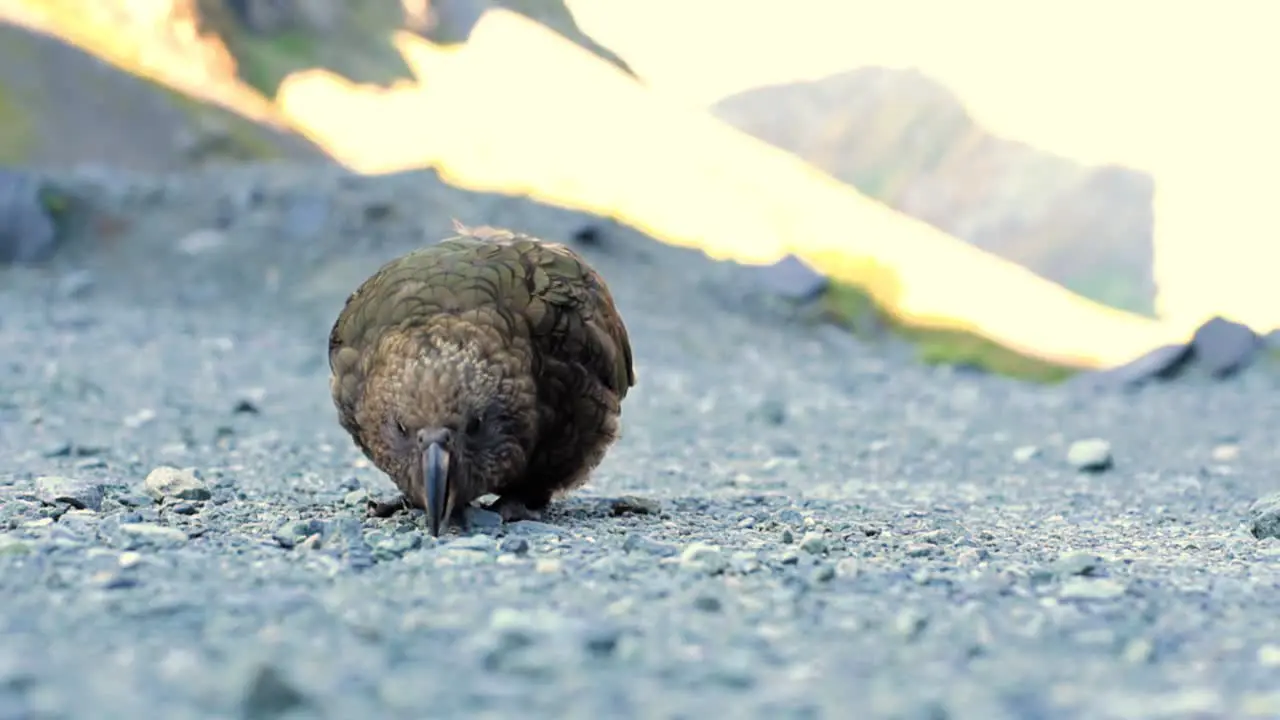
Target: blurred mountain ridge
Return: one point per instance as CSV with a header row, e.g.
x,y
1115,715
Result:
x,y
904,139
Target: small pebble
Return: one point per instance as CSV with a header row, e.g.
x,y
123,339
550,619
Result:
x,y
1091,455
633,505
1269,655
791,517
270,694
847,567
636,542
181,484
708,603
823,573
472,543
1082,589
1077,563
910,623
548,566
152,534
813,543
702,558
478,518
514,546
1026,453
1226,453
10,545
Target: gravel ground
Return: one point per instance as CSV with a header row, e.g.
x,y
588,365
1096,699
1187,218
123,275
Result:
x,y
795,525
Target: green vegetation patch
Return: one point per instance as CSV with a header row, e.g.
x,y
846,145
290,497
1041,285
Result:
x,y
358,48
221,134
854,308
16,129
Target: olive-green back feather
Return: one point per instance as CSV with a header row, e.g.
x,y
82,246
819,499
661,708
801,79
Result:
x,y
526,285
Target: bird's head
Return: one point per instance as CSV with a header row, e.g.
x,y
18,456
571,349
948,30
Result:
x,y
448,421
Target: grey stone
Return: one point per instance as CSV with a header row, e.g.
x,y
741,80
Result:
x,y
182,484
1077,563
1271,340
76,492
306,216
1026,453
532,527
270,695
703,558
514,546
479,518
295,531
633,505
27,230
1097,589
1264,517
814,543
1224,347
635,542
1090,455
473,543
1162,363
152,534
792,278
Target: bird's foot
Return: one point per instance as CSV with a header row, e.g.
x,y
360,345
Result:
x,y
512,509
387,508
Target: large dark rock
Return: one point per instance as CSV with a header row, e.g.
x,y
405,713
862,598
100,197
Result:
x,y
27,230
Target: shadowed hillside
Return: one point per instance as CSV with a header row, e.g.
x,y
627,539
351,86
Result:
x,y
907,141
77,109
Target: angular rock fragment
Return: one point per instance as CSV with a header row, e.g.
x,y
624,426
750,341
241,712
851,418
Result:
x,y
182,484
1264,517
1224,347
27,205
792,279
79,494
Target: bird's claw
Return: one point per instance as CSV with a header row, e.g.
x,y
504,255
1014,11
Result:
x,y
513,510
386,508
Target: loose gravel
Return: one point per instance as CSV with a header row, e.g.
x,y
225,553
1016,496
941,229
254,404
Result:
x,y
794,525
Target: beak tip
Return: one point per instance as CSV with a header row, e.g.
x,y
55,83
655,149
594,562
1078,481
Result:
x,y
436,487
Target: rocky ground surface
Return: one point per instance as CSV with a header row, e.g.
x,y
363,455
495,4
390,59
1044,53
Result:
x,y
795,525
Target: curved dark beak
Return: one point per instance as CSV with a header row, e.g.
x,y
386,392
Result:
x,y
435,474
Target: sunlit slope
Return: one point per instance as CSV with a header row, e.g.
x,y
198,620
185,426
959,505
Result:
x,y
519,110
1180,91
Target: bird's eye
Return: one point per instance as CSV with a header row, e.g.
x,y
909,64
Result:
x,y
400,428
473,425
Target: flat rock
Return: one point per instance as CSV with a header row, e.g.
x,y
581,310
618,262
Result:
x,y
78,493
152,534
1163,363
